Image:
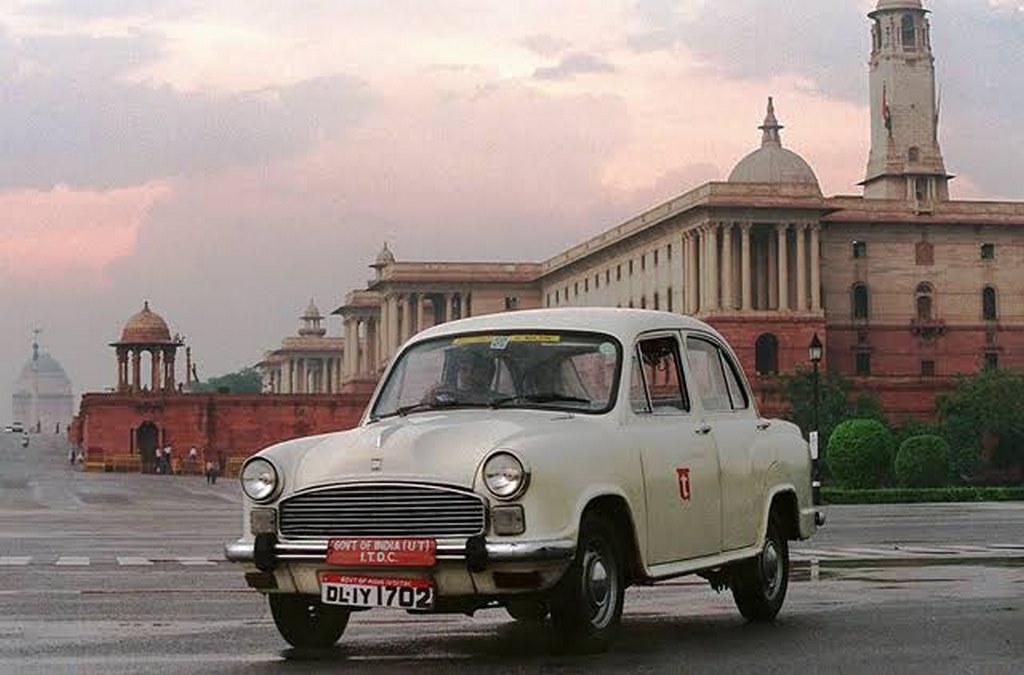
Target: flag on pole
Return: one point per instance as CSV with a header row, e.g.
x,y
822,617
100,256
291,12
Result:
x,y
886,112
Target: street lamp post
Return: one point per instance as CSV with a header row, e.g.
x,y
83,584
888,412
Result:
x,y
814,354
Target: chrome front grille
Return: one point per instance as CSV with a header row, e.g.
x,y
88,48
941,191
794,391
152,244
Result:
x,y
382,510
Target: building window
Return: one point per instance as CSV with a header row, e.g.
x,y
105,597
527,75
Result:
x,y
668,299
923,301
657,304
630,268
927,369
924,253
863,363
511,302
991,361
597,281
643,261
913,154
643,302
860,301
575,288
668,252
766,355
586,285
655,257
907,34
618,272
566,294
988,303
608,276
860,249
921,189
547,300
631,303
988,251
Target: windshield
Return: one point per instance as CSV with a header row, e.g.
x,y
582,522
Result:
x,y
575,372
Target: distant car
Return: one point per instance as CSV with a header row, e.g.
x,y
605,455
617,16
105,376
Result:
x,y
541,461
16,427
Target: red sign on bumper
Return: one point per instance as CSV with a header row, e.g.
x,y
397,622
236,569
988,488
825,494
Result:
x,y
385,552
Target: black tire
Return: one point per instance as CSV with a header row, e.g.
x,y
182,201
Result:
x,y
527,609
305,622
759,585
586,606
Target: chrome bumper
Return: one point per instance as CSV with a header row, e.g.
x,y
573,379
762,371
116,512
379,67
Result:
x,y
458,550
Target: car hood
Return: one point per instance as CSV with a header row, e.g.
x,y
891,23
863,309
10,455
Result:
x,y
444,447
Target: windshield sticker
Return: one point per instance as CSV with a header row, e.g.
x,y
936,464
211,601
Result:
x,y
499,342
473,340
607,349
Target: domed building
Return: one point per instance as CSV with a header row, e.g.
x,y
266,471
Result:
x,y
43,399
146,335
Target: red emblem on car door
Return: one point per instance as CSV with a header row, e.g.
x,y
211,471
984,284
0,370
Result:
x,y
683,475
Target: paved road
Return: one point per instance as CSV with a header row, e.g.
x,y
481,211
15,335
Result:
x,y
111,573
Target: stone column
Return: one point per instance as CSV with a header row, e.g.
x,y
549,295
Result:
x,y
371,345
394,311
783,228
154,369
746,267
801,269
713,276
136,383
815,269
728,301
693,271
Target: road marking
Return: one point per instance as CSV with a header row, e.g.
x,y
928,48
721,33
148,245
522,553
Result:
x,y
73,560
132,560
196,561
14,560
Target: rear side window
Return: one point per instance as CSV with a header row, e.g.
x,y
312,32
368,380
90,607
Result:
x,y
715,377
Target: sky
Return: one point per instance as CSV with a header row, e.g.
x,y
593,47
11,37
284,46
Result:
x,y
230,161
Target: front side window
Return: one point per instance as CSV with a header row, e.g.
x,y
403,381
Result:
x,y
550,370
661,388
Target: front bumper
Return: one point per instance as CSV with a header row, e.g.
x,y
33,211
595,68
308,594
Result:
x,y
266,551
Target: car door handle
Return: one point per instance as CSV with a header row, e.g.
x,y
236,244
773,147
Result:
x,y
703,429
761,426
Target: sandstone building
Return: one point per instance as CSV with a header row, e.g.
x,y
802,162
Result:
x,y
905,287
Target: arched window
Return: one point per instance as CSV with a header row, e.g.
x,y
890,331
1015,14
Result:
x,y
907,36
913,154
860,301
923,301
766,355
988,303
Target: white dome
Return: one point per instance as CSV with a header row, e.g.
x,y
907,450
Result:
x,y
772,163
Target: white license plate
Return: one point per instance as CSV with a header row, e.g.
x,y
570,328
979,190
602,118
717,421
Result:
x,y
361,591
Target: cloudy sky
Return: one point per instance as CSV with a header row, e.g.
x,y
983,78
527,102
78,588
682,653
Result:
x,y
229,161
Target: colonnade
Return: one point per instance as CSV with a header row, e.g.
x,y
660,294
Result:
x,y
161,376
307,375
730,266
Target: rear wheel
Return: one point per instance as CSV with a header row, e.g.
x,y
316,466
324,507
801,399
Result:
x,y
305,622
759,585
586,607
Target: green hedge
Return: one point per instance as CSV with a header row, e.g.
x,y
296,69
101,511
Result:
x,y
923,461
833,495
860,454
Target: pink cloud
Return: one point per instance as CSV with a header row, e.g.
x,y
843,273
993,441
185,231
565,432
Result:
x,y
71,234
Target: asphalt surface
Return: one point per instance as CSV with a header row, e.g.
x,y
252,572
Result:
x,y
115,573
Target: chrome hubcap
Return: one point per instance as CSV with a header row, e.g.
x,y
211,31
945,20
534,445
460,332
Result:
x,y
598,587
771,569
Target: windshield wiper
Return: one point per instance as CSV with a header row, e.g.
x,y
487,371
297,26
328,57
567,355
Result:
x,y
541,397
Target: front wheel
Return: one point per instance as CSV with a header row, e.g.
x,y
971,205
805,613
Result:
x,y
305,622
759,585
586,606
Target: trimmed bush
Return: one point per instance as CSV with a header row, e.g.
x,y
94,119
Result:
x,y
923,461
860,454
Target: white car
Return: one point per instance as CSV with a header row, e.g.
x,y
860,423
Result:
x,y
538,460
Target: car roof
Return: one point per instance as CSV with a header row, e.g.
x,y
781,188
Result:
x,y
622,323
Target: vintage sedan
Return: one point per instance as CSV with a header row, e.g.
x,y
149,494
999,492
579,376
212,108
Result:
x,y
541,461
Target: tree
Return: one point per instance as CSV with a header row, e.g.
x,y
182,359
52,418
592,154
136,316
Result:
x,y
983,420
922,461
244,381
833,402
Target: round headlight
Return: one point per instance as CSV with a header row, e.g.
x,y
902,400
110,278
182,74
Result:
x,y
504,475
259,479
